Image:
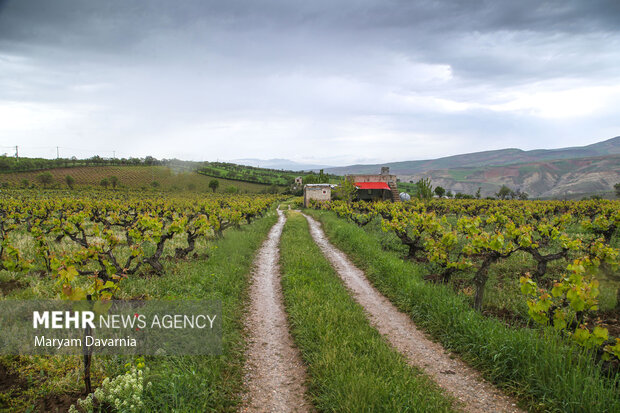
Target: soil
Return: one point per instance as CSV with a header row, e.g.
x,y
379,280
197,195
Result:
x,y
507,317
434,278
10,381
275,372
7,286
53,403
450,373
57,403
609,319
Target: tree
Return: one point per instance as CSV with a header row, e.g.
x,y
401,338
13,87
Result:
x,y
617,188
310,179
504,192
5,163
346,190
214,184
104,182
114,181
449,194
45,178
424,188
70,181
521,195
440,192
478,193
323,178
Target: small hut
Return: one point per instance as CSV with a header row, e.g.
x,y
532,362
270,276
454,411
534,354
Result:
x,y
318,192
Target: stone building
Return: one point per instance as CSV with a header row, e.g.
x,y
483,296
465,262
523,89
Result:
x,y
318,192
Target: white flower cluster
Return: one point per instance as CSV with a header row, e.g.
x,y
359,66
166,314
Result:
x,y
123,393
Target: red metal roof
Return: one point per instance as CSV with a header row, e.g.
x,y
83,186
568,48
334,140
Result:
x,y
372,185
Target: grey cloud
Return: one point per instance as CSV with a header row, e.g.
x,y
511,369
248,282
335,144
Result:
x,y
158,69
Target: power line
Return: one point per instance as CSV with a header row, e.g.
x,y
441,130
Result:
x,y
47,152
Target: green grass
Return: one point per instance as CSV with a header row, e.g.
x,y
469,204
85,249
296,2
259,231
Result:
x,y
544,371
211,383
461,174
406,187
350,366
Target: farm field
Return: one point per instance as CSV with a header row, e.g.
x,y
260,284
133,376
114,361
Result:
x,y
427,258
513,337
207,249
325,207
248,173
133,177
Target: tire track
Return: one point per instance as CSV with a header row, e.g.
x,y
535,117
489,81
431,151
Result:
x,y
453,375
275,372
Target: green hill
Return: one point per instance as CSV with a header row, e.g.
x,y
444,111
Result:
x,y
252,174
143,172
132,177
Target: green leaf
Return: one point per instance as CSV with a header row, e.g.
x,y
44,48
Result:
x,y
68,273
599,335
581,336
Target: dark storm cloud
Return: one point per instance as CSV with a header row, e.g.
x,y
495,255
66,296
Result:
x,y
298,73
425,26
437,32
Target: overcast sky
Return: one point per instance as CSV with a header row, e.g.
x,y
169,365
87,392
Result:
x,y
323,81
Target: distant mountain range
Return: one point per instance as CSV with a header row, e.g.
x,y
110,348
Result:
x,y
488,158
545,173
284,164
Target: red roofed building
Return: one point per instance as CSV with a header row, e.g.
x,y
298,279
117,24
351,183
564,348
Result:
x,y
372,185
380,187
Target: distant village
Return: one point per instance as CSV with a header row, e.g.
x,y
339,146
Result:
x,y
384,187
378,187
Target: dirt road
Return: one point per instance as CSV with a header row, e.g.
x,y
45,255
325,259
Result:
x,y
275,373
458,379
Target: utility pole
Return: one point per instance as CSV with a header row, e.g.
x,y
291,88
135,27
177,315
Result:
x,y
17,152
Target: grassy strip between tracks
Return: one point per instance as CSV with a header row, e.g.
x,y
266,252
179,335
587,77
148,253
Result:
x,y
350,366
545,372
